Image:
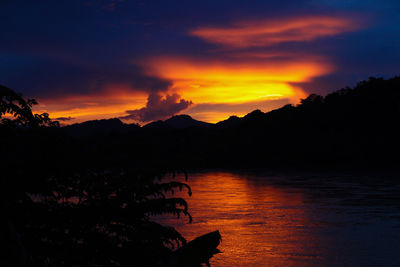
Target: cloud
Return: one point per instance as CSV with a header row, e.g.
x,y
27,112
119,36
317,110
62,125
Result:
x,y
108,5
158,108
260,33
245,80
111,102
64,118
58,78
240,108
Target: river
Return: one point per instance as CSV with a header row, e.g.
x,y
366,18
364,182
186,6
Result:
x,y
303,219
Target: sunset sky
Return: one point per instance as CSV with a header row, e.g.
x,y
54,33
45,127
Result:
x,y
148,60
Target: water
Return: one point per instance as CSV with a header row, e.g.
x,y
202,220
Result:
x,y
295,220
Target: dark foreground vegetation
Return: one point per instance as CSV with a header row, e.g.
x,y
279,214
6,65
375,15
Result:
x,y
83,195
74,202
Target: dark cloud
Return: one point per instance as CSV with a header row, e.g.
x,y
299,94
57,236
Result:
x,y
158,108
51,78
64,119
109,5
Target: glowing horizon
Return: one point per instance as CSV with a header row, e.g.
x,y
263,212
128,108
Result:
x,y
236,76
229,82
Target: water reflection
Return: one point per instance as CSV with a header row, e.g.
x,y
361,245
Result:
x,y
263,224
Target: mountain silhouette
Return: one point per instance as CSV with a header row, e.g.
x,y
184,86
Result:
x,y
232,121
99,127
179,122
350,126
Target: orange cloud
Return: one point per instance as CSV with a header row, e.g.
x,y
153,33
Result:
x,y
235,82
109,103
244,85
158,108
259,33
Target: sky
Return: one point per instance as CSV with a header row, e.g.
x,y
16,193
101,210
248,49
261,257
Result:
x,y
142,61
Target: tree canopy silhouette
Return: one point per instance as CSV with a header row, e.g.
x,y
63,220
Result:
x,y
68,202
20,110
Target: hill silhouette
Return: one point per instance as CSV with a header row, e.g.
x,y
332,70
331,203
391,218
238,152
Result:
x,y
178,122
352,127
100,127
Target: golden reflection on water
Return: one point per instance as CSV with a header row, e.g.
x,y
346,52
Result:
x,y
260,224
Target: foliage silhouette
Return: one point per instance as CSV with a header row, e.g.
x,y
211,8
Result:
x,y
72,202
15,105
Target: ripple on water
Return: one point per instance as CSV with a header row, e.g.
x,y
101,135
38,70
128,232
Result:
x,y
269,221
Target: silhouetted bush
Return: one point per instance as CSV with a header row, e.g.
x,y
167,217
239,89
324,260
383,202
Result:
x,y
70,202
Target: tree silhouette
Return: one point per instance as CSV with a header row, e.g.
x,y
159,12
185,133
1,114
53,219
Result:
x,y
69,203
20,110
102,218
